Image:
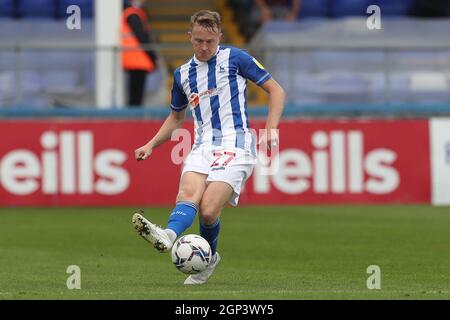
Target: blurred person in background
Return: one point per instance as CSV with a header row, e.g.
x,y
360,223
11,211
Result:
x,y
431,8
139,61
277,10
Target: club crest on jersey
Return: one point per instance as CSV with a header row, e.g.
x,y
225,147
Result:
x,y
221,69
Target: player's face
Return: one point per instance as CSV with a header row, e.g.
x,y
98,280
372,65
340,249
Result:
x,y
204,42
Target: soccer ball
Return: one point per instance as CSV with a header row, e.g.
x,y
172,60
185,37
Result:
x,y
191,254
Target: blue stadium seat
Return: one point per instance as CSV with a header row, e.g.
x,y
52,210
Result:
x,y
394,7
6,8
37,8
343,8
59,81
7,60
314,8
86,7
31,85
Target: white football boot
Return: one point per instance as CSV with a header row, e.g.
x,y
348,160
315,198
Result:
x,y
152,233
203,276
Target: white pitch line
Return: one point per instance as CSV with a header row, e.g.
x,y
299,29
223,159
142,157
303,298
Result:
x,y
119,293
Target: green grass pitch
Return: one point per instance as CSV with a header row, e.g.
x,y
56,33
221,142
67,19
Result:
x,y
305,252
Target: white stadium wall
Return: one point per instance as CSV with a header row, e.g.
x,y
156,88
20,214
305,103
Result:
x,y
440,160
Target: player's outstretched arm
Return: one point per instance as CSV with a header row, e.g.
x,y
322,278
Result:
x,y
276,106
174,121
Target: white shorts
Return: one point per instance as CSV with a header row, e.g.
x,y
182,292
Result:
x,y
231,166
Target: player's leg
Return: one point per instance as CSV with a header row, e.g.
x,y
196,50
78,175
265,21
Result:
x,y
192,186
224,185
137,79
215,197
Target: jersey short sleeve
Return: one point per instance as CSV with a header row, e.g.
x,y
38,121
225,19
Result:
x,y
179,100
252,69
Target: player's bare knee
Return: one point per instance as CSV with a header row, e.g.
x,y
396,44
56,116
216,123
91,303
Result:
x,y
188,195
208,219
209,212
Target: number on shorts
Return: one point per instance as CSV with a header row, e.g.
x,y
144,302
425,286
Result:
x,y
219,155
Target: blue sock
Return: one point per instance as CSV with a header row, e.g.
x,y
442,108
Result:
x,y
182,216
211,234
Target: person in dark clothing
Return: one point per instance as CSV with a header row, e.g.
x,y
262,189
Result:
x,y
278,9
136,61
431,8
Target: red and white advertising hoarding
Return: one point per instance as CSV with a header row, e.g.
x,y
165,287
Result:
x,y
91,162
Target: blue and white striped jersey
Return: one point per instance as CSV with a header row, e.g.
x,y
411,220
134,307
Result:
x,y
215,91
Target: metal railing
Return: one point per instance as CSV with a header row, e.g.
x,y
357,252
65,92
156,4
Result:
x,y
311,74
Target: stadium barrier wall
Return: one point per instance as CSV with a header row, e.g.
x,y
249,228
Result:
x,y
59,162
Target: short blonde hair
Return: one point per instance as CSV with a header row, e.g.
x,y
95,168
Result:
x,y
209,20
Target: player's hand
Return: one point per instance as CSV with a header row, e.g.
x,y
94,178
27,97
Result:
x,y
143,152
270,139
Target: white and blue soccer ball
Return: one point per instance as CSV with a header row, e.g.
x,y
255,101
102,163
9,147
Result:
x,y
191,254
